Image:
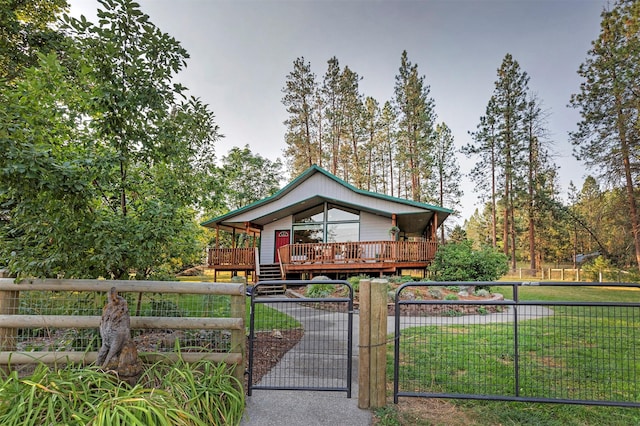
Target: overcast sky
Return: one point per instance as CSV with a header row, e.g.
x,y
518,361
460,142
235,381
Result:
x,y
241,52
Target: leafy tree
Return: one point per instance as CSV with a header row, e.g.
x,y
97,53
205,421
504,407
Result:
x,y
608,136
106,159
248,177
26,30
460,262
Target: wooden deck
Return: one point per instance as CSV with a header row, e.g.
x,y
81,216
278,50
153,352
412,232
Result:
x,y
370,256
233,259
374,257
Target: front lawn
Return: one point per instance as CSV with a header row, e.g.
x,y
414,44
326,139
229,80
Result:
x,y
577,353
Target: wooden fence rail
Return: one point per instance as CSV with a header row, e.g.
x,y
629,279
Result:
x,y
11,320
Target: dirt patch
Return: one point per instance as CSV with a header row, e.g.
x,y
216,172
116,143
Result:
x,y
269,348
430,411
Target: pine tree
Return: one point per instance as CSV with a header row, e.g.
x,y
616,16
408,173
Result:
x,y
446,170
416,121
608,136
334,111
485,169
299,91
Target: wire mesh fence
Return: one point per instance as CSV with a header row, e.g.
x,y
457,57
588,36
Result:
x,y
73,303
538,351
51,319
317,332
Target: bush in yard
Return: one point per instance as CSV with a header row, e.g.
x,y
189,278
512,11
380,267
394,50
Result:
x,y
459,262
318,291
200,393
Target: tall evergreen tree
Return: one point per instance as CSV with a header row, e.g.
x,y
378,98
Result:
x,y
446,170
608,135
510,101
415,126
388,124
486,168
299,91
353,166
373,147
333,100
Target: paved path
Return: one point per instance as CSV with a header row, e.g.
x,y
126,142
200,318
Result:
x,y
310,408
314,408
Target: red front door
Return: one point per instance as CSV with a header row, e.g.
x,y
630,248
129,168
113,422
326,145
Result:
x,y
283,237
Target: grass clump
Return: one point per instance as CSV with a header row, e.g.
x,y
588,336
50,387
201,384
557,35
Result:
x,y
201,393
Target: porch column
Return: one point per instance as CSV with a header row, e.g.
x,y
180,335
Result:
x,y
394,219
247,229
434,229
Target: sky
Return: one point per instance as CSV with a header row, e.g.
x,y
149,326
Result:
x,y
241,52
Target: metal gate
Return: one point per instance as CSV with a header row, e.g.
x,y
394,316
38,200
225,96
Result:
x,y
313,324
567,352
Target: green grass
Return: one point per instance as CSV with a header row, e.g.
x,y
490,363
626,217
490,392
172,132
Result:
x,y
578,353
268,318
572,294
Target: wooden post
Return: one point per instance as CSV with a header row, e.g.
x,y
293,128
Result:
x,y
364,291
372,380
9,303
238,337
378,365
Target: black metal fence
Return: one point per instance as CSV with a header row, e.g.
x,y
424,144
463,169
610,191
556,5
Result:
x,y
517,350
314,322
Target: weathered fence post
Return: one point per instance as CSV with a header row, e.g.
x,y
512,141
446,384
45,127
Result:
x,y
372,381
238,337
9,303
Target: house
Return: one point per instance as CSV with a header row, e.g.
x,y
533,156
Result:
x,y
320,224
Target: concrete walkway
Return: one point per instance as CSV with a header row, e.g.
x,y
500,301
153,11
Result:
x,y
309,408
313,408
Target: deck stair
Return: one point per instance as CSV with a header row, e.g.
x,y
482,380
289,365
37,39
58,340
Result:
x,y
271,272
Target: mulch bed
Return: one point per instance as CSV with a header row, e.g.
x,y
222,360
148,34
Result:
x,y
269,348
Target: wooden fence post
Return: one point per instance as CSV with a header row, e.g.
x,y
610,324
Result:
x,y
364,344
239,337
372,379
9,303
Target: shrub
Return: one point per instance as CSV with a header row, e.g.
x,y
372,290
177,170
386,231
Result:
x,y
483,292
318,291
459,262
355,281
451,297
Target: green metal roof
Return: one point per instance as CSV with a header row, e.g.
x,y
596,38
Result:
x,y
308,173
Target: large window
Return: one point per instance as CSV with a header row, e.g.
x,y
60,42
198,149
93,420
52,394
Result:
x,y
326,223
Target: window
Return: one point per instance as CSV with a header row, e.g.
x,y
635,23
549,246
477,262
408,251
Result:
x,y
341,224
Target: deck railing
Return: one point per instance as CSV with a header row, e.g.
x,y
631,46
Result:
x,y
232,256
368,251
